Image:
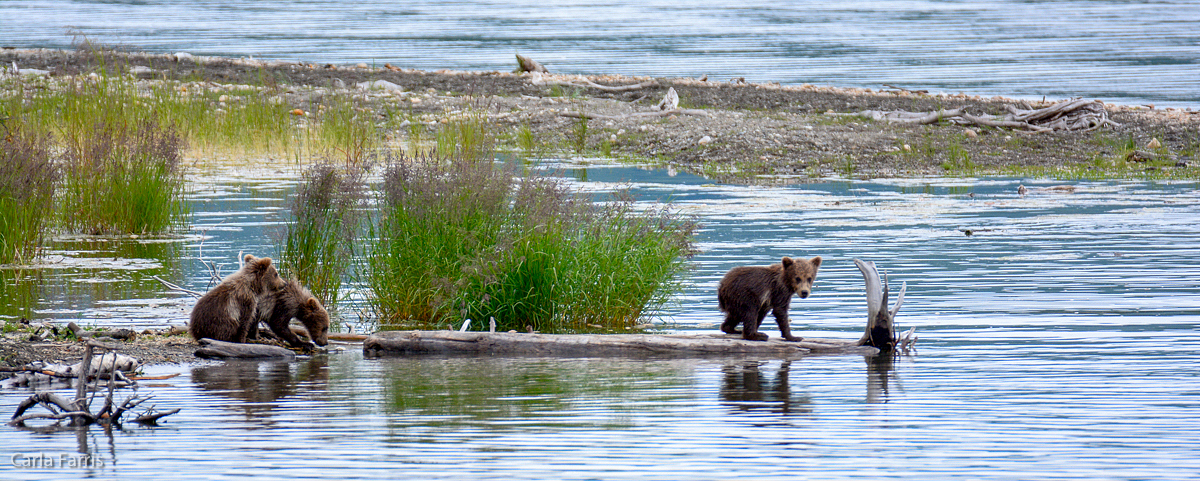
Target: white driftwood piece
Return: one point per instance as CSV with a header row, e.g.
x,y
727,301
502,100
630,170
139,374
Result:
x,y
670,101
881,329
1068,115
579,81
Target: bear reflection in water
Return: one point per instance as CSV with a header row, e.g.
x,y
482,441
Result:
x,y
261,383
748,388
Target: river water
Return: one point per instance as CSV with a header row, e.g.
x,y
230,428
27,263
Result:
x,y
1114,50
1058,341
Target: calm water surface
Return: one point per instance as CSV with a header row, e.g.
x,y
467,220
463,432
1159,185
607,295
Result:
x,y
1059,341
1115,50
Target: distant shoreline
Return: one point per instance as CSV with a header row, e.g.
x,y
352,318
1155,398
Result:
x,y
742,132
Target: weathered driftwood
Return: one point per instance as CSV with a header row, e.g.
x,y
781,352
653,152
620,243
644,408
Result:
x,y
213,349
579,81
526,64
47,375
667,107
881,330
403,343
78,411
1068,115
635,115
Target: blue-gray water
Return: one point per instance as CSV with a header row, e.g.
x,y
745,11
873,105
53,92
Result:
x,y
1114,50
1059,341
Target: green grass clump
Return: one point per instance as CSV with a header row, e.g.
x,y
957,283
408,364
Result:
x,y
122,180
318,245
468,137
27,183
456,240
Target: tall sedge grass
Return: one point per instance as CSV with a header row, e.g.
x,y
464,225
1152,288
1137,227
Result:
x,y
318,245
457,240
467,138
27,183
120,179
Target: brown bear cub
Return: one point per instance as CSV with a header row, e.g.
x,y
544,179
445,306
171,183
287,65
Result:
x,y
748,292
231,310
296,301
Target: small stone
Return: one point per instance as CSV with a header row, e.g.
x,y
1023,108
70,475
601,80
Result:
x,y
1154,144
298,112
970,133
362,65
181,56
907,148
705,140
222,98
612,138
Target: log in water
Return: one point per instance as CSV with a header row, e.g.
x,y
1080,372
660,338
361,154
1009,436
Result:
x,y
405,343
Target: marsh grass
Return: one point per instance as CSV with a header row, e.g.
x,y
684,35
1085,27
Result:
x,y
346,130
467,137
318,245
457,240
120,179
28,179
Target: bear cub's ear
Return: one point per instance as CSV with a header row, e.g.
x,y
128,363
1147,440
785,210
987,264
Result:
x,y
787,262
815,261
313,303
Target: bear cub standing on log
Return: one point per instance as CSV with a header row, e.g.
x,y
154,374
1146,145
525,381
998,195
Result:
x,y
748,292
231,311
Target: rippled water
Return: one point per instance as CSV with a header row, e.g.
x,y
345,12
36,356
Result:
x,y
1058,341
1114,50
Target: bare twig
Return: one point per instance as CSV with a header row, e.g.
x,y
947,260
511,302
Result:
x,y
176,288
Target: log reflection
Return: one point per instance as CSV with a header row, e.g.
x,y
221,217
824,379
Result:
x,y
261,383
749,387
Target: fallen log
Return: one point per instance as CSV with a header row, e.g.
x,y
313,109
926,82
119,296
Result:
x,y
538,78
406,343
213,349
635,115
1068,115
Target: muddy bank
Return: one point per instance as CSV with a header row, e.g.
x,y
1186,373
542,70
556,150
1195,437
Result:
x,y
743,130
20,349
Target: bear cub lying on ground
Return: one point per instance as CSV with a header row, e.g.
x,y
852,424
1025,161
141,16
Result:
x,y
255,293
748,292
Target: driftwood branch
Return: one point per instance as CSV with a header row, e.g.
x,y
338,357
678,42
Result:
x,y
1069,115
78,410
177,288
538,78
526,64
635,115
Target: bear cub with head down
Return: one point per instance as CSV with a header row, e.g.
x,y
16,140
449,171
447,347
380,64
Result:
x,y
231,310
748,292
296,301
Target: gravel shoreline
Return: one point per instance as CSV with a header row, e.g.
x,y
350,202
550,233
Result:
x,y
744,133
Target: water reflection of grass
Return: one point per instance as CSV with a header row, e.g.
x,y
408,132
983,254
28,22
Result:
x,y
479,389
